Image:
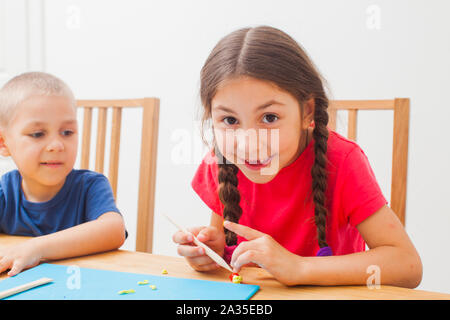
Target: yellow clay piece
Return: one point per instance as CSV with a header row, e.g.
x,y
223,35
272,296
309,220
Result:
x,y
126,291
237,279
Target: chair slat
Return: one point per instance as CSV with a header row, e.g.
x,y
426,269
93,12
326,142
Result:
x,y
362,104
147,175
400,158
332,116
127,103
101,137
352,124
115,147
86,139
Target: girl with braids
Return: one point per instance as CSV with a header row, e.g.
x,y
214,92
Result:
x,y
288,194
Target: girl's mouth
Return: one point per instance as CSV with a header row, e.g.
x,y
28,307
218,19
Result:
x,y
256,165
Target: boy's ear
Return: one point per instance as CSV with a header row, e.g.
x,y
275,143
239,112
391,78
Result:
x,y
308,112
4,151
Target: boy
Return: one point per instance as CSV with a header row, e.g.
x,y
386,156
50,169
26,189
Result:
x,y
68,212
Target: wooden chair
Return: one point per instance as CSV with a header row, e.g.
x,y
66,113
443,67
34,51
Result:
x,y
400,106
150,119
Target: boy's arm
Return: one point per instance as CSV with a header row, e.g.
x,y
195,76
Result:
x,y
105,233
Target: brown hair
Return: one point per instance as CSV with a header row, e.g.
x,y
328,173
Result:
x,y
268,54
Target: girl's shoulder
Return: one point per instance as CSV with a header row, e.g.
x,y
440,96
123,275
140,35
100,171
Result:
x,y
340,147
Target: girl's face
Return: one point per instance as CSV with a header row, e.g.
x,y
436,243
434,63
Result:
x,y
258,127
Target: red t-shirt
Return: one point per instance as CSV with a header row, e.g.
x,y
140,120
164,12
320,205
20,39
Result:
x,y
283,207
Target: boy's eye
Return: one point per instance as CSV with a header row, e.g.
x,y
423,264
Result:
x,y
230,120
270,118
67,133
36,134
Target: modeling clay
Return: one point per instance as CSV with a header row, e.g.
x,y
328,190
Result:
x,y
126,291
164,271
235,278
152,286
142,282
232,275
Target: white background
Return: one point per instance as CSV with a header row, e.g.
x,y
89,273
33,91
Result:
x,y
365,49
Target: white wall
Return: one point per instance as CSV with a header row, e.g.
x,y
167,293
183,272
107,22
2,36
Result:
x,y
127,49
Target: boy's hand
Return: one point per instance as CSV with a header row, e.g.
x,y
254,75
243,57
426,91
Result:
x,y
264,251
19,257
196,255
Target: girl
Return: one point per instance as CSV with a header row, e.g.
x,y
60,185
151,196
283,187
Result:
x,y
288,194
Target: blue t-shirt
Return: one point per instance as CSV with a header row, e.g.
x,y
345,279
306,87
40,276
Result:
x,y
84,197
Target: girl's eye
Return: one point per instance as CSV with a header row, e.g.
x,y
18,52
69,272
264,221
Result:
x,y
270,118
36,134
230,121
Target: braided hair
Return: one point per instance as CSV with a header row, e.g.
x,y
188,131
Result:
x,y
229,194
269,54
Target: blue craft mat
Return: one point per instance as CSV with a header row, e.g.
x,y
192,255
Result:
x,y
105,285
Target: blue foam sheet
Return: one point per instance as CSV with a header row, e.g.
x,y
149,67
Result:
x,y
92,284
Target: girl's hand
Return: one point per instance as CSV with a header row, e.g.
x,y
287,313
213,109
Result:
x,y
196,255
264,251
19,257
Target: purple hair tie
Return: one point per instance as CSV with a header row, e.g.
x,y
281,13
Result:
x,y
325,251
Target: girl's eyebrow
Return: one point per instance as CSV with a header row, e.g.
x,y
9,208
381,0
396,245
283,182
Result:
x,y
220,107
268,104
261,107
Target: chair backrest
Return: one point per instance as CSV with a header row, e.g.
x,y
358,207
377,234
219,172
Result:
x,y
400,106
147,171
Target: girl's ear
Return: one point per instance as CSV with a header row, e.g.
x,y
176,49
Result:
x,y
4,151
308,113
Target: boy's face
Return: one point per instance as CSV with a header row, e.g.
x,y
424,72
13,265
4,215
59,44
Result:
x,y
42,139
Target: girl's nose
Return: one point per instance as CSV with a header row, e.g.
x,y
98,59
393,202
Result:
x,y
55,145
247,144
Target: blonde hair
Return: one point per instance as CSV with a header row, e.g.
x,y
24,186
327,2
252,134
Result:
x,y
26,85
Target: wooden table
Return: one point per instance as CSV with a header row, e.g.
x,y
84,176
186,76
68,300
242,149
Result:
x,y
270,289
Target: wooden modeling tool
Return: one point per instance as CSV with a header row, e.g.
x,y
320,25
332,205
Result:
x,y
24,287
211,253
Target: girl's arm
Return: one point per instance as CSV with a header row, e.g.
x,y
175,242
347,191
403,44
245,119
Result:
x,y
105,233
391,254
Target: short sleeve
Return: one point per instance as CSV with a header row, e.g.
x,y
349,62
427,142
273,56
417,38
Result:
x,y
2,208
361,196
205,183
99,198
